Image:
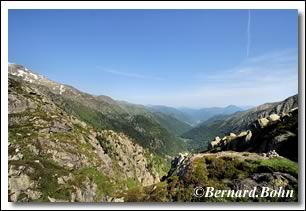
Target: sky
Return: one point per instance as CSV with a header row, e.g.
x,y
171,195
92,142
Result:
x,y
179,58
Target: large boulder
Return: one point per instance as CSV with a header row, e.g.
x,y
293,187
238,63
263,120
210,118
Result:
x,y
274,117
263,122
21,186
232,135
243,133
87,193
294,109
248,136
214,143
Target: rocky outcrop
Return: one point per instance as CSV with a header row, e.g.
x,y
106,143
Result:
x,y
55,157
128,155
277,133
270,154
21,186
87,193
178,165
216,142
274,117
260,116
263,122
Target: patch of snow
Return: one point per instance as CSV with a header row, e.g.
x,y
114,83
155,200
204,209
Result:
x,y
62,89
27,79
34,75
25,73
21,72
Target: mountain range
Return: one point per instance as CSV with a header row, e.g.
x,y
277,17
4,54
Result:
x,y
105,113
195,116
68,145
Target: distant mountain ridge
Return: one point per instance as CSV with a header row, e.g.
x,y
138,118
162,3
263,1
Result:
x,y
200,115
195,116
185,115
176,113
223,124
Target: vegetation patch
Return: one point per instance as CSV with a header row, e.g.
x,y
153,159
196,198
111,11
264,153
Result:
x,y
46,173
104,185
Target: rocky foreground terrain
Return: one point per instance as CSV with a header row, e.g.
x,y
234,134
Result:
x,y
53,156
68,146
265,156
226,170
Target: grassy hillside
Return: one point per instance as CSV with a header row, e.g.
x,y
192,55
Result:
x,y
145,130
172,124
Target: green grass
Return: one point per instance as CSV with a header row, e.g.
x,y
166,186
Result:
x,y
104,185
170,144
199,173
280,165
132,183
158,163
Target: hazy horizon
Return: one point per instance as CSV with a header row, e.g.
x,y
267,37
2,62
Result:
x,y
175,58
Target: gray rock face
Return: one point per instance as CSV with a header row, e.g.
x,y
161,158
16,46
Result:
x,y
59,127
17,156
232,141
129,156
20,184
179,164
283,137
87,193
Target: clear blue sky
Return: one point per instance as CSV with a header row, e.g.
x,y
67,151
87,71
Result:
x,y
193,58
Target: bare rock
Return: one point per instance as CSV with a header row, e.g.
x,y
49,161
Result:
x,y
263,122
248,136
214,143
87,193
274,117
56,200
19,184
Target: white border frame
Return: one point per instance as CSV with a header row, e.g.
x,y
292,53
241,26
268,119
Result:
x,y
300,5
